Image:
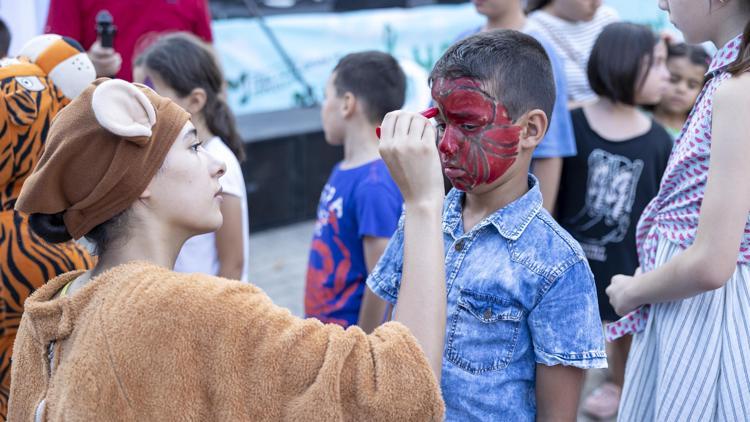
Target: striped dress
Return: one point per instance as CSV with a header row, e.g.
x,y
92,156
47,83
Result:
x,y
573,42
690,359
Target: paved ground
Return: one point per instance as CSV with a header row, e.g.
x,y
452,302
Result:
x,y
278,261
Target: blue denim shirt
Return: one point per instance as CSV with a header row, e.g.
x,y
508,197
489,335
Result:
x,y
520,293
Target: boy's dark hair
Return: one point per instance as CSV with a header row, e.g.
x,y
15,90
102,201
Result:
x,y
617,58
375,78
696,54
512,66
4,39
185,62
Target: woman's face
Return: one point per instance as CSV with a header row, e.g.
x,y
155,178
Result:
x,y
699,20
654,87
186,193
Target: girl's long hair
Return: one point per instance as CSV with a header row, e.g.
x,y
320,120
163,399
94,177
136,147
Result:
x,y
185,62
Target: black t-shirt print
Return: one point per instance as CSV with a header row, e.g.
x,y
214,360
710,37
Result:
x,y
604,190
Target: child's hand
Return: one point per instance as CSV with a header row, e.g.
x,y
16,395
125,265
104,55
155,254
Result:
x,y
407,144
620,294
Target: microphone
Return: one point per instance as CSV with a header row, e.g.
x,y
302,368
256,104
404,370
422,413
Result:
x,y
105,28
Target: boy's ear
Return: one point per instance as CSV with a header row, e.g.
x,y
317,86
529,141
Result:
x,y
533,127
348,104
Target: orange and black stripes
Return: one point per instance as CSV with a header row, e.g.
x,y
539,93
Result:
x,y
26,261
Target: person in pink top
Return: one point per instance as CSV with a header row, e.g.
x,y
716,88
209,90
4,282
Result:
x,y
134,19
689,359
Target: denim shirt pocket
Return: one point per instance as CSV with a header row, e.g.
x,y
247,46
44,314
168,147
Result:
x,y
483,332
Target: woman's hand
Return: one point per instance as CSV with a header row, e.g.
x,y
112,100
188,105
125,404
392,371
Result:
x,y
620,292
407,145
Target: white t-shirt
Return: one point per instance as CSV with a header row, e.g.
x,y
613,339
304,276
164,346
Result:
x,y
573,42
199,254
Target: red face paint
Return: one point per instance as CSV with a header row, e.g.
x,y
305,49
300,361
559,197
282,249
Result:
x,y
478,141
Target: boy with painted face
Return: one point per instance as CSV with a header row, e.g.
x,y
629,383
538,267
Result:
x,y
522,315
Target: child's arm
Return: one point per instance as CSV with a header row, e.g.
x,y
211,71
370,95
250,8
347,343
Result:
x,y
373,308
409,149
229,239
558,390
710,261
549,171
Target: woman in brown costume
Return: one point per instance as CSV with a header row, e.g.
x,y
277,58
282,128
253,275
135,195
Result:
x,y
132,340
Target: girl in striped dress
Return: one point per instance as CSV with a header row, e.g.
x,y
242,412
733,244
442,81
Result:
x,y
571,27
689,359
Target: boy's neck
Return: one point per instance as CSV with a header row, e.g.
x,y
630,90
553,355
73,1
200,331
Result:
x,y
477,207
360,145
672,120
513,19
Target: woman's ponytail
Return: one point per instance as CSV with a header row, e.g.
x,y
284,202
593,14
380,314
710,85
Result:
x,y
220,122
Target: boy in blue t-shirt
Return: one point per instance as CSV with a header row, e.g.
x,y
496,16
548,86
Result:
x,y
360,204
522,316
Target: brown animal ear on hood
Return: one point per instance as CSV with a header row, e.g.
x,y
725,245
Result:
x,y
124,110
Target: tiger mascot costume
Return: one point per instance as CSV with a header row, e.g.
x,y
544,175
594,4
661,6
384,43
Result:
x,y
46,76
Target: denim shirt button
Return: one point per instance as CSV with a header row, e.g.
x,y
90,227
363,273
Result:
x,y
487,313
459,246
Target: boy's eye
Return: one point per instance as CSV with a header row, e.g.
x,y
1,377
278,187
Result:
x,y
196,146
469,127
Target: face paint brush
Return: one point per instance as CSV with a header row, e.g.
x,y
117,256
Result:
x,y
429,113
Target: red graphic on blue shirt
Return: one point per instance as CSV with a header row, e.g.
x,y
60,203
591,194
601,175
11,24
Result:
x,y
328,290
358,202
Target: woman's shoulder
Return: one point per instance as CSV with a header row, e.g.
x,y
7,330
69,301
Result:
x,y
733,91
147,286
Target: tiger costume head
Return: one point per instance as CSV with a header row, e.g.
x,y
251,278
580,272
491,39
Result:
x,y
47,64
63,60
49,72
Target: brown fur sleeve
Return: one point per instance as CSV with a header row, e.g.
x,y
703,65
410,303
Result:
x,y
28,373
228,351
